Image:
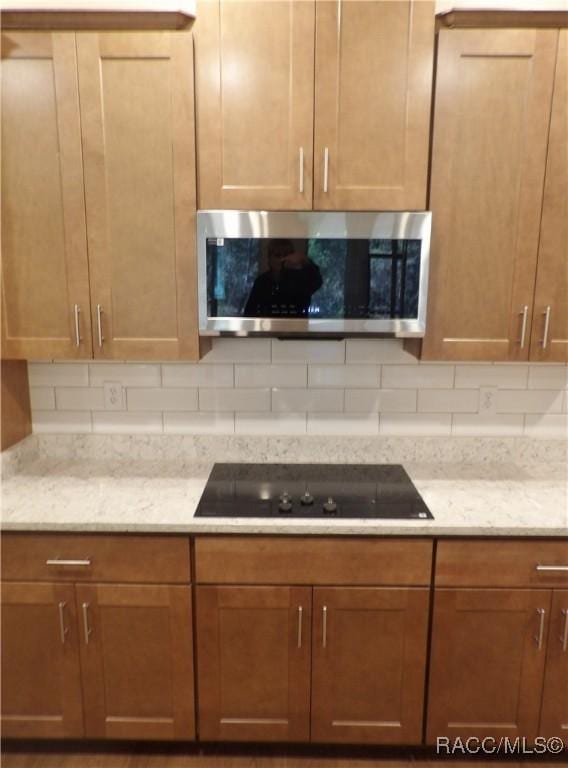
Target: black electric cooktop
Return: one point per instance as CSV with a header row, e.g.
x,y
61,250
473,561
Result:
x,y
312,491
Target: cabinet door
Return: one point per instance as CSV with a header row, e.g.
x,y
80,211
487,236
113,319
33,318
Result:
x,y
554,715
137,120
373,99
41,679
45,276
369,665
551,295
487,662
255,103
137,661
491,120
253,645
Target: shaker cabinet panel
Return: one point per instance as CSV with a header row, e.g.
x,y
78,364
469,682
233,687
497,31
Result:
x,y
373,90
41,679
136,661
255,79
487,662
549,340
254,649
45,277
491,122
136,94
554,715
369,665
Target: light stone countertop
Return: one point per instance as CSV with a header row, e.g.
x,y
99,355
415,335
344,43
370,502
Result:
x,y
145,495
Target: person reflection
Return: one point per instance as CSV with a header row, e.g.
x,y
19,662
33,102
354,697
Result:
x,y
287,287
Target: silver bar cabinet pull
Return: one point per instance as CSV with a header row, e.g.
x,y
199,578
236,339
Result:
x,y
552,568
546,315
69,563
324,630
100,324
540,637
564,638
524,314
62,628
300,612
301,170
86,626
325,168
77,312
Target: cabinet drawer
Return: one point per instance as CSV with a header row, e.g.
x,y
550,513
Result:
x,y
502,564
95,558
286,560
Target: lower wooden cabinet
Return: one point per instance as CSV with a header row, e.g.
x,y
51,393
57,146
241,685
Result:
x,y
369,664
253,650
487,662
554,715
41,677
137,661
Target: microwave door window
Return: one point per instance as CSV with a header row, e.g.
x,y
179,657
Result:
x,y
312,278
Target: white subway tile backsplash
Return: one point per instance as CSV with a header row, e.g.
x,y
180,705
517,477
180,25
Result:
x,y
308,351
529,401
487,425
448,400
195,375
238,351
422,424
122,423
551,426
128,374
199,423
548,377
507,376
156,399
343,424
58,374
418,376
344,376
307,400
380,400
80,398
42,398
234,400
76,422
270,423
270,375
370,351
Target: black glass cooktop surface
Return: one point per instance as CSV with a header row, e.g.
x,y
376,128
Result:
x,y
382,491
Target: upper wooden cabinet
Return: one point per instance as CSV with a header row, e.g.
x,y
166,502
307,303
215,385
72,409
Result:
x,y
136,94
45,274
255,81
256,104
122,105
549,340
494,92
373,90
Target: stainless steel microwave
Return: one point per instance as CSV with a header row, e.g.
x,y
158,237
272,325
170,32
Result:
x,y
304,272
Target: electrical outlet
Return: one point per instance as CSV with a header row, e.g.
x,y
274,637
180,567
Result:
x,y
114,396
488,400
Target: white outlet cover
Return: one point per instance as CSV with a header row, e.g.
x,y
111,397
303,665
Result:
x,y
114,396
488,399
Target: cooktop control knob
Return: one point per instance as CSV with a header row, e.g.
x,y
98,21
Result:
x,y
330,507
307,499
285,504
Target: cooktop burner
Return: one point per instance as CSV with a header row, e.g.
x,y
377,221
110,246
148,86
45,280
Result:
x,y
312,490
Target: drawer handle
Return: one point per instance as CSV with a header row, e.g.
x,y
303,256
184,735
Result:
x,y
540,637
69,563
324,628
62,628
86,626
300,612
564,638
552,568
